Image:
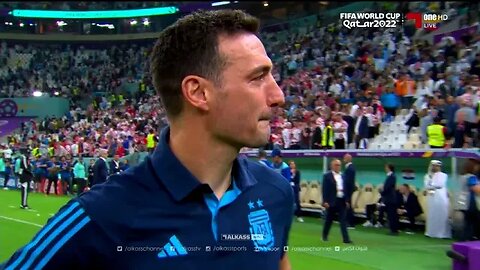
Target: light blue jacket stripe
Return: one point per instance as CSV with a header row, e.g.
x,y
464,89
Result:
x,y
42,233
52,236
60,243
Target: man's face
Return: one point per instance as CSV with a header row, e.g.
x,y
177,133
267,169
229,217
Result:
x,y
277,159
403,189
241,107
336,166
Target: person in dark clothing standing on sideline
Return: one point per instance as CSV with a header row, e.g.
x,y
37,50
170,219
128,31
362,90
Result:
x,y
53,168
349,178
25,176
295,182
90,172
334,200
115,165
100,169
389,198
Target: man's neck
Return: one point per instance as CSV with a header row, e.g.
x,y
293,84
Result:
x,y
209,160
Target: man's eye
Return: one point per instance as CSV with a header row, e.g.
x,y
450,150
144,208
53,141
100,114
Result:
x,y
259,78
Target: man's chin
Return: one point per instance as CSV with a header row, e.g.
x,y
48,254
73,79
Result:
x,y
257,142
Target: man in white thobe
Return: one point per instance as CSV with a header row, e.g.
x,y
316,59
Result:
x,y
438,205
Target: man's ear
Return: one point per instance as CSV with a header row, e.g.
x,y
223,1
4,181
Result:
x,y
194,89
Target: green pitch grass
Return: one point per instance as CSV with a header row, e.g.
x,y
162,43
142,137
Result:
x,y
373,249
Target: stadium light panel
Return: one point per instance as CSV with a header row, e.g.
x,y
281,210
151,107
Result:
x,y
265,4
221,3
21,24
99,14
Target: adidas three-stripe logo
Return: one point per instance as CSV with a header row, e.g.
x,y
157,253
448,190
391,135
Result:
x,y
51,238
172,248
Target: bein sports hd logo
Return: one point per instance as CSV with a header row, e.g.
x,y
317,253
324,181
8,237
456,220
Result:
x,y
427,21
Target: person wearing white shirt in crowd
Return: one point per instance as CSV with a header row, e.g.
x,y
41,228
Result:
x,y
74,149
295,135
422,90
340,128
286,135
437,223
353,110
335,88
371,122
437,84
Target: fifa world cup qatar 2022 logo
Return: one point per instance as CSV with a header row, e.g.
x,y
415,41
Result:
x,y
8,108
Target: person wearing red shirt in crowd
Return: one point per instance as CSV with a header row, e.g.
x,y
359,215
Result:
x,y
120,150
131,110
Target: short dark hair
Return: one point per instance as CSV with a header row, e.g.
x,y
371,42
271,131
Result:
x,y
190,47
262,154
390,167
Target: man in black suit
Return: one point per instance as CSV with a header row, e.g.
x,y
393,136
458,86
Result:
x,y
408,206
100,169
389,198
115,165
349,178
335,200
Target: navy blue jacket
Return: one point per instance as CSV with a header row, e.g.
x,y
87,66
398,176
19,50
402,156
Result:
x,y
349,182
363,128
100,172
329,189
389,193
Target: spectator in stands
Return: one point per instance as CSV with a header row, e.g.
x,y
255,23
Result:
x,y
317,135
436,134
408,206
390,102
437,224
340,128
361,130
462,134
